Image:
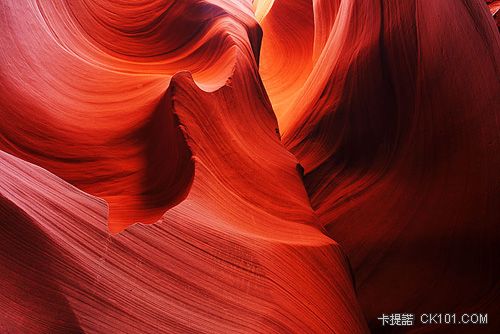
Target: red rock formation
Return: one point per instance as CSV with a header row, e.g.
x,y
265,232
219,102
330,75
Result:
x,y
115,112
397,129
239,249
495,10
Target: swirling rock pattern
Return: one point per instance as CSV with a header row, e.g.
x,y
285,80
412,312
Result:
x,y
188,166
396,126
494,6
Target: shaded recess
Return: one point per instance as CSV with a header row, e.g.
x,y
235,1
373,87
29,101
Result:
x,y
35,301
166,175
396,126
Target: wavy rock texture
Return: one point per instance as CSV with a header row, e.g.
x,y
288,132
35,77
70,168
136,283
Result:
x,y
396,126
94,100
495,10
166,113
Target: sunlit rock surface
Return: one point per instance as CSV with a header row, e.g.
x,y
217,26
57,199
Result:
x,y
230,166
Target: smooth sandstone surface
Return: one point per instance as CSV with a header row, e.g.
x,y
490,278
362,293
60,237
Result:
x,y
230,166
